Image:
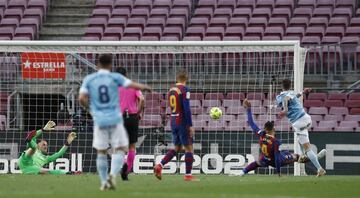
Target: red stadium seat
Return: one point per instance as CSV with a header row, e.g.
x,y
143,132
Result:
x,y
338,111
354,96
318,111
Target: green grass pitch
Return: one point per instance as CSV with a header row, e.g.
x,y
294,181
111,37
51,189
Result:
x,y
210,186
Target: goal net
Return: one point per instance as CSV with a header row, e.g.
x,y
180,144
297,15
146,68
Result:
x,y
40,82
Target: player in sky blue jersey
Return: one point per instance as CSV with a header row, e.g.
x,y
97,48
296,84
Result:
x,y
99,91
181,126
299,119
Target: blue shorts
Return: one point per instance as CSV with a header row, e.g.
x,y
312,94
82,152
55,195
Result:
x,y
181,135
285,157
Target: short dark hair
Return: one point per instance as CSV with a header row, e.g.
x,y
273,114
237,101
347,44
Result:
x,y
269,125
182,76
105,60
286,83
121,70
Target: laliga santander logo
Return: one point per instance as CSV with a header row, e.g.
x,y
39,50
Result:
x,y
43,65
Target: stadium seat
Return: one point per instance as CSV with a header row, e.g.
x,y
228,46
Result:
x,y
318,111
322,12
325,126
156,22
337,96
211,103
121,13
98,22
108,4
214,96
303,12
295,31
349,126
352,103
352,118
9,22
167,4
317,118
236,110
17,4
333,103
354,96
176,22
231,103
284,4
299,22
343,12
337,118
338,21
317,96
235,96
34,12
345,4
313,103
117,23
278,22
325,3
219,22
355,111
123,4
318,22
237,125
261,13
242,13
223,12
101,13
226,4
307,3
154,96
338,111
246,3
197,96
38,4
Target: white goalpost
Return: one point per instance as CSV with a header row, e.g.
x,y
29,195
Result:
x,y
40,80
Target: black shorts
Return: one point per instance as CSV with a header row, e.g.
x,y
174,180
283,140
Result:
x,y
131,123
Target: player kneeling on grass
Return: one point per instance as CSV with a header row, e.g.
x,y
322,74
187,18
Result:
x,y
270,153
36,156
181,126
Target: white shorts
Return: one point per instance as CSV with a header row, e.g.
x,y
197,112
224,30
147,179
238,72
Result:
x,y
301,127
116,136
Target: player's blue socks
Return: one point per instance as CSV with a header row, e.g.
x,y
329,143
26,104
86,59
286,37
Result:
x,y
313,158
252,166
102,167
117,161
189,158
169,155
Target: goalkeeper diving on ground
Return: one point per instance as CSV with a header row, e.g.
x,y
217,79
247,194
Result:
x,y
36,156
271,155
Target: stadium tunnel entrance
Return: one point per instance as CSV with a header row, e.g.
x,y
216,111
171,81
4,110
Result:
x,y
39,108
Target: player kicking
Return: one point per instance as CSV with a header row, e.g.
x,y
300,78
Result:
x,y
270,153
36,156
299,119
100,91
181,126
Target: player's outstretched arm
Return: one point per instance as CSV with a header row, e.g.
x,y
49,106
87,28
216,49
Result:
x,y
247,106
140,86
62,151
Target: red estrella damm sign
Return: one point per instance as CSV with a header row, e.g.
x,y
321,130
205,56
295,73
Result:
x,y
43,65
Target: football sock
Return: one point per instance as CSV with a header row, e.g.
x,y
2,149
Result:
x,y
117,160
252,166
102,167
130,160
313,158
189,158
169,155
